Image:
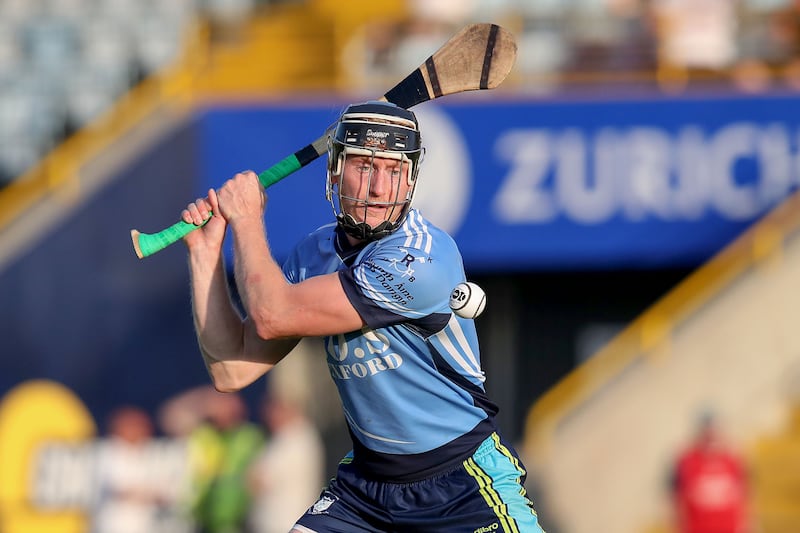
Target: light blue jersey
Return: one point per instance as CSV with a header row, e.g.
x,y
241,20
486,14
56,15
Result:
x,y
410,382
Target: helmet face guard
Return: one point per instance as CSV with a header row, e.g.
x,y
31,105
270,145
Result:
x,y
373,130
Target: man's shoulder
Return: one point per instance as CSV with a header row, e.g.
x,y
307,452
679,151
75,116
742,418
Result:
x,y
417,232
418,251
310,251
323,234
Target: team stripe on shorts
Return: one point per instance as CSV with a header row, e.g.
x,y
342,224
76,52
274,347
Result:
x,y
491,496
514,461
496,469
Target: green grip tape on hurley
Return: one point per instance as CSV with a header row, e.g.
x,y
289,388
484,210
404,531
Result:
x,y
278,171
145,244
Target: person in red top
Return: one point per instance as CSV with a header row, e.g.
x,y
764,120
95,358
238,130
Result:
x,y
710,485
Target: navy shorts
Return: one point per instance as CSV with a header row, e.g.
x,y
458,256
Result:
x,y
484,494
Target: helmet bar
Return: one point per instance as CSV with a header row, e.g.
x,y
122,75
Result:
x,y
380,118
372,152
381,111
382,137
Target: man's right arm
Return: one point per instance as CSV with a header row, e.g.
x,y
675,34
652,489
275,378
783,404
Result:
x,y
233,353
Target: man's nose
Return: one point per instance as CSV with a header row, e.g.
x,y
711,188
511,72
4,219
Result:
x,y
381,180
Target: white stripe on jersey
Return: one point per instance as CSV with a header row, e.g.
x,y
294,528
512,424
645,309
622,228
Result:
x,y
353,424
428,237
462,341
415,221
407,226
473,370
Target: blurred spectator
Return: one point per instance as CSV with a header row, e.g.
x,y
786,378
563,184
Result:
x,y
759,45
786,31
390,48
227,17
418,38
710,484
610,36
429,26
697,38
454,13
368,56
769,43
287,477
136,493
222,444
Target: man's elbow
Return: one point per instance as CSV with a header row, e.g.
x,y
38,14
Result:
x,y
226,387
224,380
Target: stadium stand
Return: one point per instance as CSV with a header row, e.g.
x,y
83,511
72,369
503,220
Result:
x,y
722,338
75,59
89,53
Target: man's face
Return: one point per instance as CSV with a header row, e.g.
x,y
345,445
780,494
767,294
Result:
x,y
373,190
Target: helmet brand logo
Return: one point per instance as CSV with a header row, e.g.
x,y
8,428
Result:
x,y
381,134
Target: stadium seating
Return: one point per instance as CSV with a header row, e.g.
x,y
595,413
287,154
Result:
x,y
77,58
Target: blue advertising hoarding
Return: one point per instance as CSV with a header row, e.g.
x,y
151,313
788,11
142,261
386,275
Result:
x,y
532,184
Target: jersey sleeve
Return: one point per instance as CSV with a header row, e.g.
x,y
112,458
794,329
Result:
x,y
312,256
395,284
291,267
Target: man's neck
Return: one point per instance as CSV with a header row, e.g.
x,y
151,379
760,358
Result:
x,y
347,246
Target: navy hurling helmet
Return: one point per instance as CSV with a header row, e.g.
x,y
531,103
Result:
x,y
373,129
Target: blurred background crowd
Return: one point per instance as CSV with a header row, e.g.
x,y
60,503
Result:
x,y
205,464
65,62
200,461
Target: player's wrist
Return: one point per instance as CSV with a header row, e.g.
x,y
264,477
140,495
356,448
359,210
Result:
x,y
204,259
247,222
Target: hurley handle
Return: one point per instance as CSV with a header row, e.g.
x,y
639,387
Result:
x,y
146,244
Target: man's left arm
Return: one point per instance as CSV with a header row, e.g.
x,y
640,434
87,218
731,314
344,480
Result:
x,y
278,309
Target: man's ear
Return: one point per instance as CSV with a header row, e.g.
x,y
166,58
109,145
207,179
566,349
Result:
x,y
336,168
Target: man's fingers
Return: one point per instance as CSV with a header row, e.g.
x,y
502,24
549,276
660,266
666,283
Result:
x,y
213,201
199,211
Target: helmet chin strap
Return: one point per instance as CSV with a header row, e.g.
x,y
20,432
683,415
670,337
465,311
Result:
x,y
363,231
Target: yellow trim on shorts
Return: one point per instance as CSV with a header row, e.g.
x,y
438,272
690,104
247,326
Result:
x,y
505,451
491,496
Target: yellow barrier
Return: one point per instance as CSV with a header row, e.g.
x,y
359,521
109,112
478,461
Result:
x,y
650,333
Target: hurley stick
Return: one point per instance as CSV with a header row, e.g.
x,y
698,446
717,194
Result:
x,y
478,57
